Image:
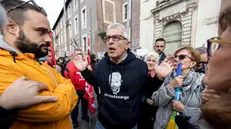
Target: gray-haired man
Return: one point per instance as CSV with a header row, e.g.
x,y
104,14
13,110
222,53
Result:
x,y
120,77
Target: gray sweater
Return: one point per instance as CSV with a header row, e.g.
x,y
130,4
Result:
x,y
190,97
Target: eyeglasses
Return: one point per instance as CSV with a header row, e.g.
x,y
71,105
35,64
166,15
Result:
x,y
115,38
181,57
213,45
40,9
160,46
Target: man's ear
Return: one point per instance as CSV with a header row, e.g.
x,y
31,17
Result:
x,y
11,27
128,45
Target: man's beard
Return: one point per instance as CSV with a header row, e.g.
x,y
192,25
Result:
x,y
24,45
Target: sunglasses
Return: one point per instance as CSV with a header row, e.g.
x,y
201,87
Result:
x,y
114,38
181,57
40,9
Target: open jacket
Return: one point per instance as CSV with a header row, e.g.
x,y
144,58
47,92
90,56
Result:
x,y
190,97
53,115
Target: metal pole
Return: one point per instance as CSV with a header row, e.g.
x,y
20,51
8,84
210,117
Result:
x,y
91,30
131,23
80,24
64,29
129,18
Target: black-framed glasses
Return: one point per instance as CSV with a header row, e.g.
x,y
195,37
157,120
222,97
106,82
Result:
x,y
181,57
213,45
40,9
114,38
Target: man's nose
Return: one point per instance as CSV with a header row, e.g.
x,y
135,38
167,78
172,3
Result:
x,y
48,38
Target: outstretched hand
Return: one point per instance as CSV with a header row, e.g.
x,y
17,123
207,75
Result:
x,y
23,93
165,68
81,64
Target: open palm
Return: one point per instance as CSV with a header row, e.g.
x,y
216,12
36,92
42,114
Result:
x,y
81,64
165,68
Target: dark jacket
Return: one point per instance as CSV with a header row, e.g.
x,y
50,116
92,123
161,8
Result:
x,y
162,57
121,97
149,111
7,118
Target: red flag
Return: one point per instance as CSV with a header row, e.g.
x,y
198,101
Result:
x,y
90,97
52,50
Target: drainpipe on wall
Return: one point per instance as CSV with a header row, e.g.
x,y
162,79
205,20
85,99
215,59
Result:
x,y
64,29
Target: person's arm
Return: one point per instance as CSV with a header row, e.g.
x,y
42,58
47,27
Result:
x,y
151,85
163,95
20,94
44,112
89,77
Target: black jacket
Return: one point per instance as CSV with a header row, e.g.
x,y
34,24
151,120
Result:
x,y
162,57
7,118
120,98
149,111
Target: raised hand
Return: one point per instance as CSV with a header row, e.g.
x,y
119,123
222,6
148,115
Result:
x,y
24,93
81,64
165,68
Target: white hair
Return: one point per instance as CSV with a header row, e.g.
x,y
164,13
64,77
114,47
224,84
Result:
x,y
151,54
119,25
3,17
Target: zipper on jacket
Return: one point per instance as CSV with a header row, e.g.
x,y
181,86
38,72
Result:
x,y
50,74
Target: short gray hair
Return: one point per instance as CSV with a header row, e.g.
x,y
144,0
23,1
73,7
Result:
x,y
202,50
3,17
119,25
151,54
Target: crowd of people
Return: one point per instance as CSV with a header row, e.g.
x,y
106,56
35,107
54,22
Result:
x,y
38,92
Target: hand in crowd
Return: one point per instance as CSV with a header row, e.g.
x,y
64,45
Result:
x,y
81,64
177,106
89,68
24,93
208,94
165,68
177,82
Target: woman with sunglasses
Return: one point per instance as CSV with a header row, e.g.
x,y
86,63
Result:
x,y
190,88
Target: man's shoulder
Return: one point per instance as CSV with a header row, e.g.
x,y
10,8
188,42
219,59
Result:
x,y
139,62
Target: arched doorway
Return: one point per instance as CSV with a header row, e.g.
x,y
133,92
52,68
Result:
x,y
172,34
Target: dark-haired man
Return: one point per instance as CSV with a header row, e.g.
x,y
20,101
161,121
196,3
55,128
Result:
x,y
159,47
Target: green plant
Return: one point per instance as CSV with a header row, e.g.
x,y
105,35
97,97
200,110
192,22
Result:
x,y
102,35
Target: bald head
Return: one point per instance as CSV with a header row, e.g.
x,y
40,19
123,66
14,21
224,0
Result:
x,y
3,17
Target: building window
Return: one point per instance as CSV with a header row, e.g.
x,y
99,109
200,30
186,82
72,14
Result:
x,y
70,30
172,33
76,25
85,43
125,11
69,11
109,12
84,17
75,4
